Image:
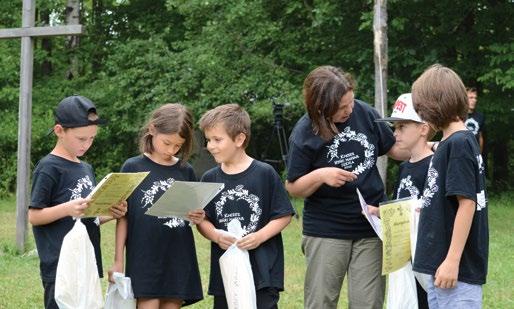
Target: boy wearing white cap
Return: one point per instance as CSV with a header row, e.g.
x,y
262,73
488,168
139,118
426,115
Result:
x,y
412,134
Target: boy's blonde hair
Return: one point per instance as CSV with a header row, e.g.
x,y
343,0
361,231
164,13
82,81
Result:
x,y
172,118
234,119
439,96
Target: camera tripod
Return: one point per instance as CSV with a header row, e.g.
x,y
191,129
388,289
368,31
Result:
x,y
279,133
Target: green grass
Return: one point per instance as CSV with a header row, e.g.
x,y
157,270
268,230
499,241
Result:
x,y
20,285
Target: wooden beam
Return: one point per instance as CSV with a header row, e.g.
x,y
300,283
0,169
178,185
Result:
x,y
41,31
24,127
381,60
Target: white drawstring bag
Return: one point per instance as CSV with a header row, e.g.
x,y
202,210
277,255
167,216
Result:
x,y
236,272
401,289
119,294
77,284
423,279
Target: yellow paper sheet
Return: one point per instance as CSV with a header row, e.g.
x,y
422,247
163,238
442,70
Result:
x,y
396,251
114,188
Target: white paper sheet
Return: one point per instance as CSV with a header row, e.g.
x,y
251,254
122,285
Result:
x,y
372,219
184,196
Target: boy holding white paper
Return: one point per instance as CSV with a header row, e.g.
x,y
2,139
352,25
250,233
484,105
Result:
x,y
61,181
254,195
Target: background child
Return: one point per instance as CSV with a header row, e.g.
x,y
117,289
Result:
x,y
61,181
412,134
453,235
254,195
160,252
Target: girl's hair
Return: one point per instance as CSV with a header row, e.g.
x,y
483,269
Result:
x,y
439,96
234,118
169,119
323,89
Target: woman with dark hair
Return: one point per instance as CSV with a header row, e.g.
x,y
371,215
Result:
x,y
333,151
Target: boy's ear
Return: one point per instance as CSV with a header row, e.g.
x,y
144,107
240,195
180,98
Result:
x,y
58,130
240,139
427,132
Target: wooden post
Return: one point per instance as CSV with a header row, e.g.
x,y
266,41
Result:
x,y
27,32
380,59
24,126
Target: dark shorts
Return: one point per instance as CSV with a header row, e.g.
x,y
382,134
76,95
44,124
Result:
x,y
50,295
422,296
267,298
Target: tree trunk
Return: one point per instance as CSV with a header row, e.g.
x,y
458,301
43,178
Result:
x,y
380,59
98,30
46,44
73,18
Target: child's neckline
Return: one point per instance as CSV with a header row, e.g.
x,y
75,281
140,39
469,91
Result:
x,y
64,157
172,163
238,171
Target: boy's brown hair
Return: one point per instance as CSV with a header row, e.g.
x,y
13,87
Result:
x,y
439,96
172,118
323,89
233,117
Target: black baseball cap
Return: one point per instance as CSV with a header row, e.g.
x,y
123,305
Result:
x,y
73,112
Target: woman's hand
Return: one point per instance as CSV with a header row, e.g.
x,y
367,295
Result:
x,y
374,210
336,177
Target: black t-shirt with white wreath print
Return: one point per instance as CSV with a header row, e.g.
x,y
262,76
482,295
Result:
x,y
411,178
254,197
335,212
160,251
56,181
457,169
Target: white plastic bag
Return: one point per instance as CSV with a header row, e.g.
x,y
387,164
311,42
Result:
x,y
77,285
423,279
119,295
401,290
236,272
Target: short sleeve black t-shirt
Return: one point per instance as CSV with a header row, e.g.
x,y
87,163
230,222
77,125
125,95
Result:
x,y
475,123
254,197
411,178
56,181
335,212
457,169
160,251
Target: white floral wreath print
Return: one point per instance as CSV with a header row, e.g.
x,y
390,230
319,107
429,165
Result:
x,y
407,184
431,186
149,196
349,135
240,193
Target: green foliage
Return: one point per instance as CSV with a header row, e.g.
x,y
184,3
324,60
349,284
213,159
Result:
x,y
139,54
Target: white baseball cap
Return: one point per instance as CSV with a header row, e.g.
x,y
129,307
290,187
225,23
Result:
x,y
403,110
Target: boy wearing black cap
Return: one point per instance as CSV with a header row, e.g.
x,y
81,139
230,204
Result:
x,y
61,181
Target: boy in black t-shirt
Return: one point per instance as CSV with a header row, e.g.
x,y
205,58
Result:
x,y
453,236
254,195
412,134
61,181
476,120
